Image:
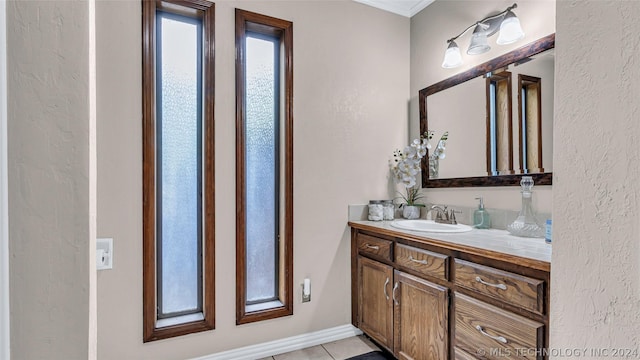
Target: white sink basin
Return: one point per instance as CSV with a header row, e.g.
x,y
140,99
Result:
x,y
430,226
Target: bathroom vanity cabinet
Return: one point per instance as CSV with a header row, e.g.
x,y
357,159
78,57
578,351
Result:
x,y
426,298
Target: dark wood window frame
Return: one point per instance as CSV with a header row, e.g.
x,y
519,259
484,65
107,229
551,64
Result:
x,y
248,22
503,79
530,84
205,11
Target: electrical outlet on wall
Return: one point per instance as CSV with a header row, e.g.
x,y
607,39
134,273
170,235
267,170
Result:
x,y
104,254
306,290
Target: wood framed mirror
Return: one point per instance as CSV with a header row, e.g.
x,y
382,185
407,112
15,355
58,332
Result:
x,y
499,116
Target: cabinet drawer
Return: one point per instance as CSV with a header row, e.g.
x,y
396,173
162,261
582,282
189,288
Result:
x,y
521,291
374,246
493,333
422,261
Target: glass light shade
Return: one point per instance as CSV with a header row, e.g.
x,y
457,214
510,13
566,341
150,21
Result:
x,y
478,44
510,30
452,57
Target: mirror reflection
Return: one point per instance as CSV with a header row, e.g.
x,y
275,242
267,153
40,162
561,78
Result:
x,y
499,119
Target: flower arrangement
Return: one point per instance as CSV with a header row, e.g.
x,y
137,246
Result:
x,y
405,165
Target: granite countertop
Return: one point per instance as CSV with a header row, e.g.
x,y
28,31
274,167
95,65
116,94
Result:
x,y
534,252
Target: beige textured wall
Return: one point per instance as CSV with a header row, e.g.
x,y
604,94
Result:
x,y
4,195
351,90
49,162
430,30
595,297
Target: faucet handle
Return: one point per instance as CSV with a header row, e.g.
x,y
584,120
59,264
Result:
x,y
452,216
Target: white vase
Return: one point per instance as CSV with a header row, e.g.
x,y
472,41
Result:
x,y
410,212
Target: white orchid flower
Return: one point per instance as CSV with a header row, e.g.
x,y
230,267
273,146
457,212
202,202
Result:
x,y
422,151
406,164
410,152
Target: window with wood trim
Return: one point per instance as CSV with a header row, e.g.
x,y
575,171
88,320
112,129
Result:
x,y
264,168
178,167
530,124
499,126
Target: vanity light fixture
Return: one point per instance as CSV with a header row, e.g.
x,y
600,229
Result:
x,y
506,22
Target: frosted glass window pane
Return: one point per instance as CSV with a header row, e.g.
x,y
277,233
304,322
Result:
x,y
492,128
179,171
261,134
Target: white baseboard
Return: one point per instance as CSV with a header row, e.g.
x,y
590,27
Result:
x,y
297,342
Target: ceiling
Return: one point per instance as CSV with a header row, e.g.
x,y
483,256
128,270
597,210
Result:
x,y
406,8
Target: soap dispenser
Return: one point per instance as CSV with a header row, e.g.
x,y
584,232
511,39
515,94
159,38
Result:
x,y
481,219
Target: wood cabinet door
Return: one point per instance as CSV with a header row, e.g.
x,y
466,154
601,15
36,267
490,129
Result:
x,y
375,307
421,316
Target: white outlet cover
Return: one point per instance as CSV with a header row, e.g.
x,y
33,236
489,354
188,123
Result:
x,y
104,253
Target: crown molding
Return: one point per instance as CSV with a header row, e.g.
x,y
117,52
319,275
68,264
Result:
x,y
406,8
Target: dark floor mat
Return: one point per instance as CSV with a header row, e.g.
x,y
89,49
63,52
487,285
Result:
x,y
375,355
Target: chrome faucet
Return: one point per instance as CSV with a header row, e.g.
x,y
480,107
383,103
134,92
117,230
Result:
x,y
443,216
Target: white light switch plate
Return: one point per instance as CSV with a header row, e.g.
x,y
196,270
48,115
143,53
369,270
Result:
x,y
104,253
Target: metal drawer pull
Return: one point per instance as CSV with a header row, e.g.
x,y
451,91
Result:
x,y
423,262
385,289
496,338
374,247
499,286
393,293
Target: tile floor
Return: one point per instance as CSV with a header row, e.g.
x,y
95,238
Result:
x,y
337,350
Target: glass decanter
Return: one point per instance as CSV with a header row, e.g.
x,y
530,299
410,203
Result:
x,y
526,224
